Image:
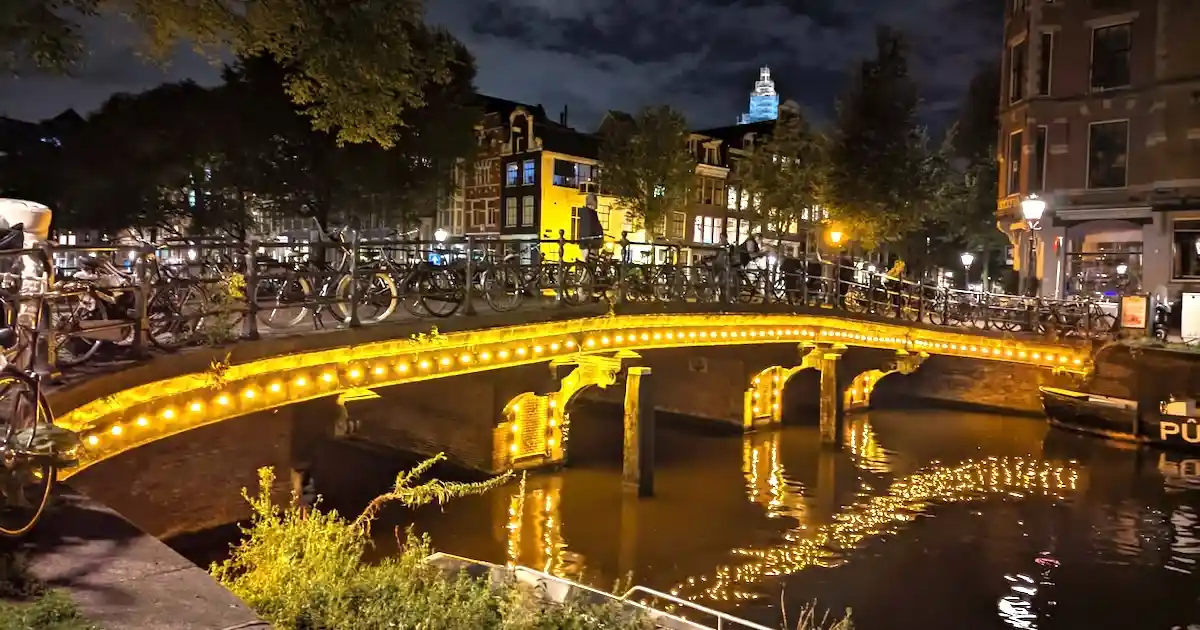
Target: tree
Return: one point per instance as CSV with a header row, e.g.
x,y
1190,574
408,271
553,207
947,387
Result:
x,y
784,174
883,178
648,166
355,68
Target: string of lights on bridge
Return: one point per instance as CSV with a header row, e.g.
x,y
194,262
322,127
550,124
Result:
x,y
280,381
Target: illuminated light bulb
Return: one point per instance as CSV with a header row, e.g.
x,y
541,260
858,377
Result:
x,y
402,367
591,343
753,333
554,347
465,358
985,350
196,407
380,370
168,413
512,448
692,334
93,440
116,429
1021,354
516,407
619,338
703,334
222,399
424,364
142,421
755,409
604,340
301,382
724,334
327,377
485,356
670,335
1050,357
570,343
775,406
521,351
714,334
553,404
249,393
355,373
553,422
516,428
657,336
1078,361
1008,353
1037,355
444,361
538,349
646,337
275,388
551,442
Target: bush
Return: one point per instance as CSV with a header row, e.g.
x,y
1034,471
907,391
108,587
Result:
x,y
302,569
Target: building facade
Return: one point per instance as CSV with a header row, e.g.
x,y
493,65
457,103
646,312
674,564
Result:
x,y
1100,117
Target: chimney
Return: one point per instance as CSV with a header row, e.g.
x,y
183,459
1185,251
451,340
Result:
x,y
562,118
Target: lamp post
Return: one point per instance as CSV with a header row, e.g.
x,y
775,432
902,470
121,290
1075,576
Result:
x,y
440,235
967,259
1032,209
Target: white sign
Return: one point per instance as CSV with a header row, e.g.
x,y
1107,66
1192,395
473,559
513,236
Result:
x,y
1190,323
1134,311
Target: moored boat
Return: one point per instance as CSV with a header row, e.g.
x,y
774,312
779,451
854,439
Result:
x,y
1174,426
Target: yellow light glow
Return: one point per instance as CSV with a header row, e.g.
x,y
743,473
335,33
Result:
x,y
445,361
521,351
142,421
327,377
515,408
554,347
222,399
485,356
512,448
168,413
516,428
249,393
355,373
93,440
604,340
538,349
402,367
570,343
116,429
551,442
424,364
619,338
465,358
380,370
301,382
196,407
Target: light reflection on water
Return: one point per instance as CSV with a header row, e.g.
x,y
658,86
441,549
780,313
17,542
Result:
x,y
956,520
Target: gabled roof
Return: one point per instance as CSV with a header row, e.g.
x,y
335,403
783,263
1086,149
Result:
x,y
735,135
504,107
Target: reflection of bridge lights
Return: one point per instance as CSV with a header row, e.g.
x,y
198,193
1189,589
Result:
x,y
536,512
880,515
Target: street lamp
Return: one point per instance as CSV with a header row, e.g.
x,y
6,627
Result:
x,y
967,259
835,237
440,235
1032,209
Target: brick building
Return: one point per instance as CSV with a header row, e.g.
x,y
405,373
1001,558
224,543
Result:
x,y
1100,116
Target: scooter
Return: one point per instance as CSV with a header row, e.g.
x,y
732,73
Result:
x,y
1167,316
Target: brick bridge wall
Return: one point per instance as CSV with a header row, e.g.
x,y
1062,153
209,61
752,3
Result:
x,y
193,481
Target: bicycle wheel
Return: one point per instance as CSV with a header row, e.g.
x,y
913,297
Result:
x,y
377,297
176,314
31,441
442,291
69,321
285,301
503,287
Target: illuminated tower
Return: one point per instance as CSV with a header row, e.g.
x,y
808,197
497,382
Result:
x,y
764,102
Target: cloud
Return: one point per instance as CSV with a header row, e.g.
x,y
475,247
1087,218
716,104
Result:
x,y
701,56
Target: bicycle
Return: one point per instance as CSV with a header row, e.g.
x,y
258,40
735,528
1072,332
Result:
x,y
33,449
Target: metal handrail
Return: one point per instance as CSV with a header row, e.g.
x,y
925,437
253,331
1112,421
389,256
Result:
x,y
722,617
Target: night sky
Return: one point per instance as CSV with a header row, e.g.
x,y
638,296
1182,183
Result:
x,y
701,56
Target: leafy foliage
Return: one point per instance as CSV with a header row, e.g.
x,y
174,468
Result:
x,y
884,180
224,297
785,174
354,68
303,569
648,166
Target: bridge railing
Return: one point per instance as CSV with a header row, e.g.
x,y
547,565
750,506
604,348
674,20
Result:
x,y
74,304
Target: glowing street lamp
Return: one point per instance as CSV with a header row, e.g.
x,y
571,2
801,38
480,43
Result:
x,y
440,235
1032,209
967,259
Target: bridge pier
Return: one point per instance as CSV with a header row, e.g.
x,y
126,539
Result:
x,y
833,402
637,474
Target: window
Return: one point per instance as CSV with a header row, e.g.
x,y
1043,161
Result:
x,y
1110,57
571,174
731,198
1037,175
510,212
1046,64
737,230
1014,163
1108,151
510,174
1016,71
528,172
707,230
678,224
1186,236
709,191
527,211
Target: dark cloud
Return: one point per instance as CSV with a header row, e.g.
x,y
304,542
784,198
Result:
x,y
702,56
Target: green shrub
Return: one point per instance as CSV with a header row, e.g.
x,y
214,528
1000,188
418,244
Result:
x,y
302,569
26,603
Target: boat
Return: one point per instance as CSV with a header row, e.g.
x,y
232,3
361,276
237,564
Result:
x,y
1176,426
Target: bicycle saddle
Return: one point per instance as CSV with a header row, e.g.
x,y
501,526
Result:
x,y
8,337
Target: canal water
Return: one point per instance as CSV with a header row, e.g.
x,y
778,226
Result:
x,y
930,519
